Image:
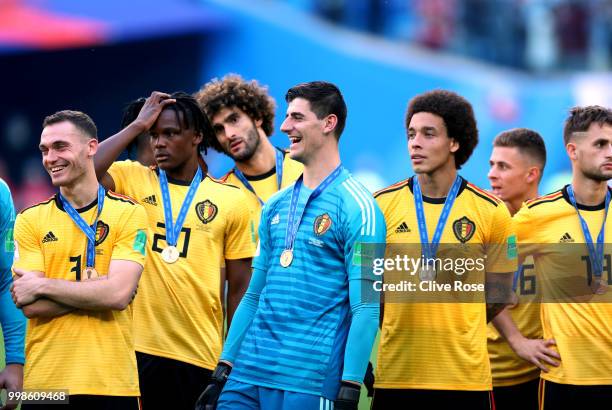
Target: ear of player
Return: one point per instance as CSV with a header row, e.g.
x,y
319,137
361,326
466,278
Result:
x,y
208,399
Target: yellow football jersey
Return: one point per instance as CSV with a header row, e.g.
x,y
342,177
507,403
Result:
x,y
442,346
506,367
86,352
580,321
265,185
178,311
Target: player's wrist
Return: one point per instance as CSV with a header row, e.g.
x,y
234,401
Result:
x,y
348,395
44,288
516,340
221,372
226,362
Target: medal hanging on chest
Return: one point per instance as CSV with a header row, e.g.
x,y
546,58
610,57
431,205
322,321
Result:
x,y
429,250
295,216
596,254
89,230
170,253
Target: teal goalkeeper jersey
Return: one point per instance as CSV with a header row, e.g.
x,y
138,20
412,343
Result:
x,y
297,340
12,320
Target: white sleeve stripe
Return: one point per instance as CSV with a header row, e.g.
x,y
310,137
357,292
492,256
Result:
x,y
357,189
358,200
369,200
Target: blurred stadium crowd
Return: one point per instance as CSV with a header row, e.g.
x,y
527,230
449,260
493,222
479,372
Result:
x,y
535,35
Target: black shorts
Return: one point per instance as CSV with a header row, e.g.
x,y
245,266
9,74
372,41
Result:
x,y
89,402
169,384
416,399
522,396
570,396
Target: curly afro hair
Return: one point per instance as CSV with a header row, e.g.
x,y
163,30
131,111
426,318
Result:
x,y
458,117
233,91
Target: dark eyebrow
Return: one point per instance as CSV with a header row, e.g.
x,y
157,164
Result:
x,y
55,144
232,115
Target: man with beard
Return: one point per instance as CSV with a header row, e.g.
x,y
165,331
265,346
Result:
x,y
242,115
566,233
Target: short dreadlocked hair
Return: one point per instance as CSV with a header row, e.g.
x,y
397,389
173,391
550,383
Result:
x,y
130,113
194,118
233,91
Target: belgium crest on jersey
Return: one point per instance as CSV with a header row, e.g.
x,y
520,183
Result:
x,y
322,224
206,211
464,229
101,232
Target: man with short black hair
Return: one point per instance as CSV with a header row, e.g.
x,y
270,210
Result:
x,y
304,330
567,234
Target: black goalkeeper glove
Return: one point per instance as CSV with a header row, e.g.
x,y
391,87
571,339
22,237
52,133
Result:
x,y
368,380
208,399
348,397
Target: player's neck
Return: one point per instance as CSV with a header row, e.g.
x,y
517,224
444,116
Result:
x,y
438,183
262,161
515,204
317,168
588,191
81,192
186,171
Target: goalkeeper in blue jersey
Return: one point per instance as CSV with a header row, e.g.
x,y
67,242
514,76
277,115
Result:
x,y
11,319
302,335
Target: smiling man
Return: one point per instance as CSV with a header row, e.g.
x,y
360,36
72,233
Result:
x,y
78,259
195,222
303,333
242,116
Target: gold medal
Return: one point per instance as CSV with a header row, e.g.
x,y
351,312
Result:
x,y
286,258
427,273
170,254
89,273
